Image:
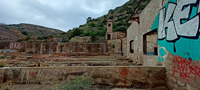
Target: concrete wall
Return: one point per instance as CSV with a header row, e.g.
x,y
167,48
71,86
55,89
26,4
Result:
x,y
132,34
179,43
137,30
138,77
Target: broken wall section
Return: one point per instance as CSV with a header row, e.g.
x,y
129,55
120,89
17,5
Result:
x,y
53,47
142,45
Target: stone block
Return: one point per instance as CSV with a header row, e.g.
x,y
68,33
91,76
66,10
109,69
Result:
x,y
180,83
175,85
170,85
189,87
182,88
173,79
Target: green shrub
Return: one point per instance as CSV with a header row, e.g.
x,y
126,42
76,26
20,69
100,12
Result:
x,y
76,84
92,24
2,65
104,21
2,57
42,38
88,33
100,28
101,25
75,32
24,33
28,38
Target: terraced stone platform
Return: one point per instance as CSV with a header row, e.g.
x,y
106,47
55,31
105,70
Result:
x,y
125,76
106,71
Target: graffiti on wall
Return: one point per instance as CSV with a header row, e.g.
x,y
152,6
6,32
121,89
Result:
x,y
178,28
124,72
9,51
161,54
14,45
185,69
33,74
177,21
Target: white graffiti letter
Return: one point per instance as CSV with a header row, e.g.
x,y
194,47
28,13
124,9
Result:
x,y
199,8
171,32
190,27
161,30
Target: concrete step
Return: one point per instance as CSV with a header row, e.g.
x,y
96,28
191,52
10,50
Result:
x,y
87,59
69,63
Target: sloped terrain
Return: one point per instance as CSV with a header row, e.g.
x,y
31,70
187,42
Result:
x,y
97,27
18,31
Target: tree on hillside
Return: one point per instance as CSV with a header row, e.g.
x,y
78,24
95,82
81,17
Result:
x,y
89,19
76,32
24,32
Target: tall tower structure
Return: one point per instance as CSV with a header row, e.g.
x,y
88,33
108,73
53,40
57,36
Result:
x,y
109,29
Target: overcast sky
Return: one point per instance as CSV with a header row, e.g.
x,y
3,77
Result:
x,y
59,14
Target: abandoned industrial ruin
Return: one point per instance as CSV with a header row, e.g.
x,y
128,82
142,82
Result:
x,y
159,51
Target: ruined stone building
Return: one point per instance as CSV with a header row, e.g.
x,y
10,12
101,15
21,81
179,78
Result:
x,y
116,40
167,34
142,44
162,41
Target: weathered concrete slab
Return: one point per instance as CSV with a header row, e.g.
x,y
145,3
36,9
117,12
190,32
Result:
x,y
141,77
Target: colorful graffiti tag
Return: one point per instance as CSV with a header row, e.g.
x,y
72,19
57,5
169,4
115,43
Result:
x,y
14,45
178,28
185,69
161,54
34,74
124,72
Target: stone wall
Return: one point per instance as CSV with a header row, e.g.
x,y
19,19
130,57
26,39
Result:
x,y
114,46
138,77
182,74
118,46
178,43
51,47
118,35
41,47
124,46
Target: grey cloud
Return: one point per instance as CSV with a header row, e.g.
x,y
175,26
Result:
x,y
60,14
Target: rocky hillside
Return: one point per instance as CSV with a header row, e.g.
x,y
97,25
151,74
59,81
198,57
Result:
x,y
19,31
97,27
7,34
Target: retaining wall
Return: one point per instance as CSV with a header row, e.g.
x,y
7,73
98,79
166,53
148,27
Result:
x,y
41,47
140,77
